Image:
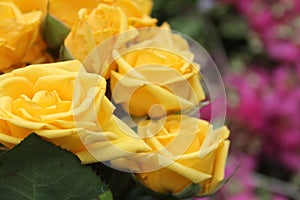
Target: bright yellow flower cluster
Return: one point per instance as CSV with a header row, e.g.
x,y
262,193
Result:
x,y
19,35
67,104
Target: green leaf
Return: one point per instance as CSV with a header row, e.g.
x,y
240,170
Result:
x,y
106,196
64,54
54,32
38,170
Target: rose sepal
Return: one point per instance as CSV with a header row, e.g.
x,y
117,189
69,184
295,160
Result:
x,y
65,54
54,32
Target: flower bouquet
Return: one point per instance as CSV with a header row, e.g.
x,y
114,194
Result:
x,y
99,102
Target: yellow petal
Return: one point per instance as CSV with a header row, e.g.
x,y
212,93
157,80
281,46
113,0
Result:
x,y
72,142
14,91
80,41
8,140
90,103
143,22
51,134
37,53
212,140
49,83
164,181
42,109
66,10
108,19
125,68
193,175
29,125
34,72
144,6
219,170
126,143
74,139
86,157
197,87
168,99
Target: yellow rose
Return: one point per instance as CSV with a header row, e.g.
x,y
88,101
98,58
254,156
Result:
x,y
65,105
91,29
147,77
186,151
37,52
137,11
45,99
18,32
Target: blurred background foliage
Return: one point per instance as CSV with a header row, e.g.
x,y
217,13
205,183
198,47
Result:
x,y
256,46
218,28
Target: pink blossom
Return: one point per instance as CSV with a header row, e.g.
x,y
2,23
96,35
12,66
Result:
x,y
268,105
276,24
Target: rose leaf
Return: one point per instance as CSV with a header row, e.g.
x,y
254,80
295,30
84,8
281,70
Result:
x,y
37,170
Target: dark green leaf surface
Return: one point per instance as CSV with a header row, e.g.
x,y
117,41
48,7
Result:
x,y
39,170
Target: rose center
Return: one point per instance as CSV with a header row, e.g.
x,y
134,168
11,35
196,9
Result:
x,y
45,98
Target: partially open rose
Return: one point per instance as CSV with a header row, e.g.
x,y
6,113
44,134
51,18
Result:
x,y
185,151
93,28
137,11
149,76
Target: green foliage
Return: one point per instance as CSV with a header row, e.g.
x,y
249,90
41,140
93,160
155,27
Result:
x,y
54,32
36,169
222,32
64,54
106,196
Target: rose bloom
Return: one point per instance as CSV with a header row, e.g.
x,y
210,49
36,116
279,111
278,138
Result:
x,y
185,151
18,32
37,53
61,104
137,11
93,28
147,77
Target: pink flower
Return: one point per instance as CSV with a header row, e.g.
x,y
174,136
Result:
x,y
267,105
275,23
241,186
